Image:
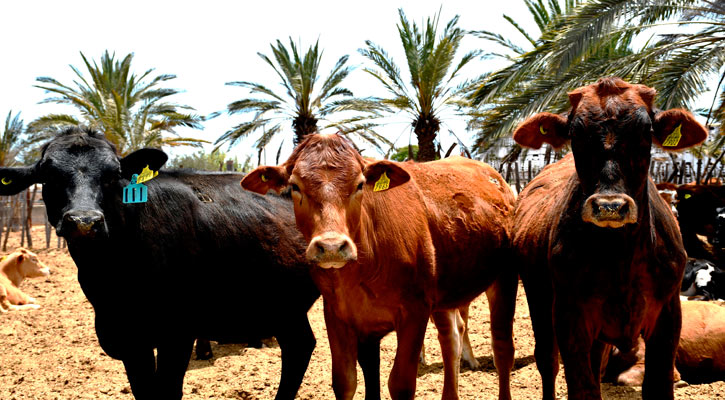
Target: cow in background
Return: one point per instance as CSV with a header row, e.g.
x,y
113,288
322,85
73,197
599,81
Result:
x,y
700,355
14,268
198,236
600,252
395,243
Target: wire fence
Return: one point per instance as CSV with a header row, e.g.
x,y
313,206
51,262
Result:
x,y
20,212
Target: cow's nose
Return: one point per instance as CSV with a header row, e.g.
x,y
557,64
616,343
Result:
x,y
331,250
610,210
82,222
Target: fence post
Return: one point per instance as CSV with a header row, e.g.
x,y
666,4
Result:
x,y
518,181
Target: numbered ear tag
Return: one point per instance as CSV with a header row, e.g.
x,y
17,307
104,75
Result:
x,y
674,138
146,175
383,183
135,192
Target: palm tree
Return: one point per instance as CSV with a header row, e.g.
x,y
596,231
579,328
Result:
x,y
429,63
301,104
11,142
130,111
595,39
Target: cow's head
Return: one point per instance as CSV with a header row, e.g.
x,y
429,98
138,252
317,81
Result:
x,y
328,180
28,264
82,176
611,127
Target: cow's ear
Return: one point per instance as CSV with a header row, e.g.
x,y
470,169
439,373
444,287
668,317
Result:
x,y
264,178
14,180
135,162
677,129
383,175
543,128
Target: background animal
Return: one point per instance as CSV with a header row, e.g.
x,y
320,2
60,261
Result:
x,y
14,268
200,258
700,354
601,255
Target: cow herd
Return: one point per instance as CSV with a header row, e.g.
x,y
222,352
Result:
x,y
389,246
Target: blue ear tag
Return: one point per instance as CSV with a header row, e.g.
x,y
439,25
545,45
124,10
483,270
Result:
x,y
135,192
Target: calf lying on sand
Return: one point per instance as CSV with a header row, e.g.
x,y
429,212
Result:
x,y
14,268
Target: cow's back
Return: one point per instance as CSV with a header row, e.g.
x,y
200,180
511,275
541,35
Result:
x,y
468,207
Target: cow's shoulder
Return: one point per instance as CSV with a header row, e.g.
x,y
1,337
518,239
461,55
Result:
x,y
542,203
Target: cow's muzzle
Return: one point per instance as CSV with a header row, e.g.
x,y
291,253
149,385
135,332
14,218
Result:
x,y
82,223
331,250
610,210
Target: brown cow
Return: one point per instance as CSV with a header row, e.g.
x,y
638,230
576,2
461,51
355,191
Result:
x,y
700,354
601,255
391,254
14,268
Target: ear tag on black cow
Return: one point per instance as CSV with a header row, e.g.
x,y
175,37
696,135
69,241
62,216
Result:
x,y
135,192
6,181
146,175
674,138
382,184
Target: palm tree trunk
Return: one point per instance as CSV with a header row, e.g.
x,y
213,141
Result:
x,y
426,128
303,125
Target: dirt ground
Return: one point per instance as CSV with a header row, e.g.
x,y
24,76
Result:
x,y
52,353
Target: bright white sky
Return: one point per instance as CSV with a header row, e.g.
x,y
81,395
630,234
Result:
x,y
206,44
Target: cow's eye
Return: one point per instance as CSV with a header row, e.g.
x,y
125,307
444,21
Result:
x,y
295,188
360,186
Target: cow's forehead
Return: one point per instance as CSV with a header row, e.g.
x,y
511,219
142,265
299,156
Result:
x,y
612,97
76,148
326,158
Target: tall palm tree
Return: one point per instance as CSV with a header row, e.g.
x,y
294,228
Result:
x,y
301,104
504,95
11,141
429,61
130,111
596,39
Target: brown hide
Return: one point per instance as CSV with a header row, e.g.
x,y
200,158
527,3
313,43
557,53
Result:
x,y
14,268
431,242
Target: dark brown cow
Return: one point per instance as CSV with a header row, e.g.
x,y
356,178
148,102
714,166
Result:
x,y
391,254
601,255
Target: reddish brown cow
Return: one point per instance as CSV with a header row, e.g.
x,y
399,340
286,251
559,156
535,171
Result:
x,y
700,354
395,243
601,255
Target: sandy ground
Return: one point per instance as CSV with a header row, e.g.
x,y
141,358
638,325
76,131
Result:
x,y
52,353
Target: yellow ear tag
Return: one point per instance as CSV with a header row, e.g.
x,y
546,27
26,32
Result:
x,y
146,175
687,196
674,138
382,184
6,181
264,178
542,130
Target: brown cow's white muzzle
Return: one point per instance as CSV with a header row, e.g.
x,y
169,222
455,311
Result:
x,y
331,250
610,210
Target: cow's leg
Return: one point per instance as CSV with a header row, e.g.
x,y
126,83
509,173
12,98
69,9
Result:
x,y
659,358
450,329
172,361
203,349
411,333
467,356
368,355
297,342
576,339
343,348
502,305
141,372
541,300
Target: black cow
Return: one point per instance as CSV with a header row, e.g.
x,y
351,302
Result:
x,y
703,280
201,258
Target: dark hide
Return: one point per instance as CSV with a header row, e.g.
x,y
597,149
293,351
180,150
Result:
x,y
201,258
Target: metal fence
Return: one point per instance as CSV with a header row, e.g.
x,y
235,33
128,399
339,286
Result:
x,y
20,212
